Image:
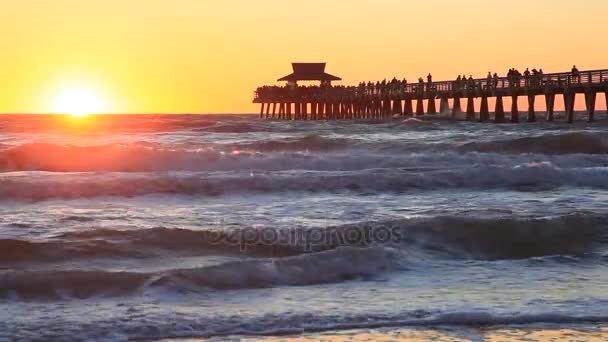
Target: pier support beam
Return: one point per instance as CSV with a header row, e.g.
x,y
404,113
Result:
x,y
471,108
569,99
399,105
281,110
431,107
298,110
456,108
407,107
288,106
606,98
499,110
304,111
262,111
550,102
444,105
514,109
419,107
531,112
274,109
484,112
590,103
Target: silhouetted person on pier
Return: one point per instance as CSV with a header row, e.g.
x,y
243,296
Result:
x,y
495,80
471,82
489,80
576,76
527,77
456,84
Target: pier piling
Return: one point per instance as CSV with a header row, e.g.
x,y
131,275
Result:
x,y
470,108
569,99
590,103
531,112
431,106
499,111
419,106
456,108
514,109
444,105
550,102
484,112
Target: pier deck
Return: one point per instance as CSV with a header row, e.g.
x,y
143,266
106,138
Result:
x,y
387,99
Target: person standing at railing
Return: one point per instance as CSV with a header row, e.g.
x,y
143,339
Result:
x,y
576,76
489,80
495,80
527,77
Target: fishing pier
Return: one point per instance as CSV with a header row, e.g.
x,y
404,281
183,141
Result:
x,y
398,98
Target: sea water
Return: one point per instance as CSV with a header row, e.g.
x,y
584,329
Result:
x,y
118,227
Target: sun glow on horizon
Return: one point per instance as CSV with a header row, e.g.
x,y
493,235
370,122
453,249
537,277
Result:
x,y
78,102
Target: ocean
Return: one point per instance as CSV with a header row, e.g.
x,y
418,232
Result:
x,y
149,227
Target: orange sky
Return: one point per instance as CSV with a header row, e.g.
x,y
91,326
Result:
x,y
204,56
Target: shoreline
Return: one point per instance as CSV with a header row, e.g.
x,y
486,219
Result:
x,y
589,332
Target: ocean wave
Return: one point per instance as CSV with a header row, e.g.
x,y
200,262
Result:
x,y
342,264
177,325
312,142
525,177
511,238
145,156
563,239
236,127
470,238
566,143
142,243
17,251
310,152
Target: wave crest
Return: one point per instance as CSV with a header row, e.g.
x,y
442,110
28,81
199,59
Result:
x,y
526,177
568,143
332,266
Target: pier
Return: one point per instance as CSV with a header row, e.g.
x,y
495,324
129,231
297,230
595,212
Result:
x,y
456,98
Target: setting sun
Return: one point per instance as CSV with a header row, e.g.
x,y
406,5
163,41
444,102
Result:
x,y
78,102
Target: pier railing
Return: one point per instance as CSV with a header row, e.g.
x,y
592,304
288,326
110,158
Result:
x,y
400,90
387,99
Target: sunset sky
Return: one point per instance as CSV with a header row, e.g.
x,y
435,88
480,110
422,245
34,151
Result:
x,y
175,56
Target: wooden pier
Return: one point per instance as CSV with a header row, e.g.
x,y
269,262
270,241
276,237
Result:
x,y
397,98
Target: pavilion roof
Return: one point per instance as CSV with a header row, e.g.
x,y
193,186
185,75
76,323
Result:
x,y
309,72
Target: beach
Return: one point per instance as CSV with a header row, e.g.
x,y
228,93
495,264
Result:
x,y
511,334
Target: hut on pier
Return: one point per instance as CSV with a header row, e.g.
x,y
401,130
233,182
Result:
x,y
309,72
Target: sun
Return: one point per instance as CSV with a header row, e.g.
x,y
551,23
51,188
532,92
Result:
x,y
78,101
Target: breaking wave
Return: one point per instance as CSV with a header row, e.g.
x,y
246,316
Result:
x,y
337,265
315,143
442,237
527,177
567,143
176,325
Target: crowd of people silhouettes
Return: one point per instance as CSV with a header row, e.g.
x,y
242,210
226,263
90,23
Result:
x,y
514,78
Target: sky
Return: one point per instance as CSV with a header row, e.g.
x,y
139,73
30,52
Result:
x,y
203,56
